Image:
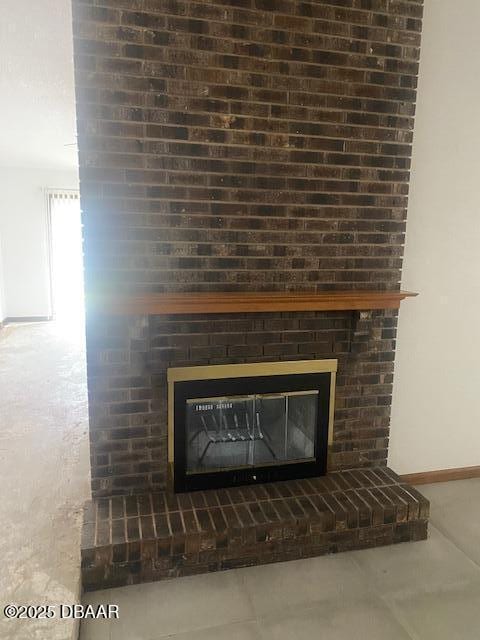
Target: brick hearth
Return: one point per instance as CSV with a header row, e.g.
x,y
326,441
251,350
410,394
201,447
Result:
x,y
138,538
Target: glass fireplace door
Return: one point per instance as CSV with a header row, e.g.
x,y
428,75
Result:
x,y
235,432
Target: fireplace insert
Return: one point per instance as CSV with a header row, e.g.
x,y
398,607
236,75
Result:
x,y
248,423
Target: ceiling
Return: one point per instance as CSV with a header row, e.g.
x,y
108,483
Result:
x,y
37,112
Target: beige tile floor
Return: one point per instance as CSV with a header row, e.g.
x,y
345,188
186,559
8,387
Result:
x,y
419,591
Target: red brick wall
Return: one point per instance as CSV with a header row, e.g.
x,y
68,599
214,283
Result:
x,y
250,144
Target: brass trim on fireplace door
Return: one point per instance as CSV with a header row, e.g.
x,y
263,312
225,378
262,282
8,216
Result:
x,y
217,372
333,380
170,423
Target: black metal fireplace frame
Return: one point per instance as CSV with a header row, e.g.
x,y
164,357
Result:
x,y
186,390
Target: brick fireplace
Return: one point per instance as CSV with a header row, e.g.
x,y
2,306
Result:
x,y
252,148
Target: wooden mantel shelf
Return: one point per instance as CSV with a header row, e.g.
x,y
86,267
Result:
x,y
244,302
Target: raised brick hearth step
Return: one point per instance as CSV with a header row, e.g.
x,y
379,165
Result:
x,y
140,538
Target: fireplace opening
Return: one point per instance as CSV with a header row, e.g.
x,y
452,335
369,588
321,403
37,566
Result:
x,y
240,424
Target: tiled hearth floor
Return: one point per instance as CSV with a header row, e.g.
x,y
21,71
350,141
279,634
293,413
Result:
x,y
419,591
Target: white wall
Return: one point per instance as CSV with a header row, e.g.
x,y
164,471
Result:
x,y
37,111
436,413
23,231
3,315
36,84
